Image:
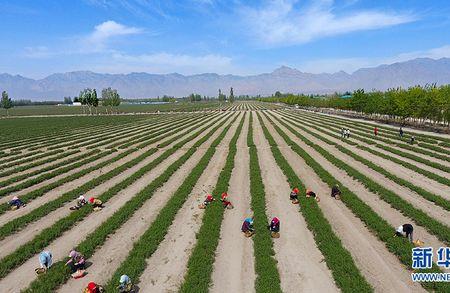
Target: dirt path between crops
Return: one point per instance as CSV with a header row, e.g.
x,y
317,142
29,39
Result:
x,y
234,265
166,268
438,136
13,241
400,171
40,167
415,199
429,158
299,261
57,192
380,268
391,215
108,258
21,277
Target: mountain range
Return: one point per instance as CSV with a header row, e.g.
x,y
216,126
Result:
x,y
284,79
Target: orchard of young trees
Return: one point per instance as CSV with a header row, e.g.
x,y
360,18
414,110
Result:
x,y
430,103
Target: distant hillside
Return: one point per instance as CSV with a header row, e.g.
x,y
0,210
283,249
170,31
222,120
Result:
x,y
284,79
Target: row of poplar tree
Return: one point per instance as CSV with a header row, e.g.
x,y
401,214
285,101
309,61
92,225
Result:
x,y
419,104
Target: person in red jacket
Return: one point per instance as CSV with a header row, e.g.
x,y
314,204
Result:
x,y
375,131
209,199
225,202
294,195
93,288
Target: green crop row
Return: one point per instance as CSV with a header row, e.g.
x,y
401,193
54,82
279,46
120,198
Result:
x,y
87,133
397,152
386,131
19,223
20,161
174,128
376,224
200,264
426,173
129,134
22,158
345,273
49,234
418,216
420,191
390,142
144,248
76,163
410,166
102,134
267,275
162,128
144,140
35,164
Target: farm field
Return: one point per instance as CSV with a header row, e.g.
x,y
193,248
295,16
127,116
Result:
x,y
152,171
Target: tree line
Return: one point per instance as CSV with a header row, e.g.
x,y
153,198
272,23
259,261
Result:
x,y
420,104
110,99
88,98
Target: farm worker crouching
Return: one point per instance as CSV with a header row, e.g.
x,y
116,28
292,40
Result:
x,y
125,284
310,193
76,261
93,288
225,202
405,230
45,262
96,203
274,227
16,203
209,198
336,192
81,201
293,196
247,227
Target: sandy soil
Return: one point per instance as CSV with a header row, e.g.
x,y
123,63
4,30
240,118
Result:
x,y
21,277
400,171
296,245
21,192
416,200
168,265
109,256
432,159
39,167
234,264
55,193
393,127
391,215
381,269
11,242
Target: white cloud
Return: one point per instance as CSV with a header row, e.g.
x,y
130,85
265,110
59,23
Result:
x,y
164,62
98,39
38,52
351,64
282,22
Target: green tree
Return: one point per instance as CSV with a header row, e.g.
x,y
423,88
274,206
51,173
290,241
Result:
x,y
221,96
231,97
6,102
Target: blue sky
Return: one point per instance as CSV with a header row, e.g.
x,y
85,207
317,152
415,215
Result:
x,y
41,37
